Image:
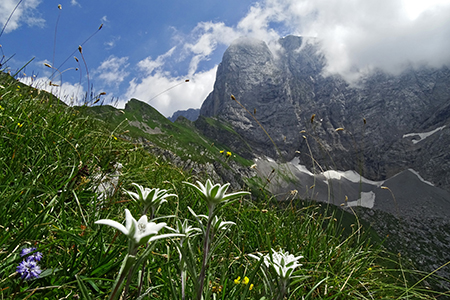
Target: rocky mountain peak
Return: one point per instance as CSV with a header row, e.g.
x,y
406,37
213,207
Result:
x,y
282,89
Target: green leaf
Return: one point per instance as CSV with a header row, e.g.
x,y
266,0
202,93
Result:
x,y
83,289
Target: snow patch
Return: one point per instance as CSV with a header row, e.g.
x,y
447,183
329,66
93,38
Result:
x,y
420,177
423,135
367,200
352,176
296,164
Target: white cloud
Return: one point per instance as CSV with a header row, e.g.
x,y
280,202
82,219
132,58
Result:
x,y
256,23
112,43
356,37
169,94
112,71
206,36
148,65
72,94
25,13
360,36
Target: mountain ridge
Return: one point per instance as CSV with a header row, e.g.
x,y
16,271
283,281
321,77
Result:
x,y
284,92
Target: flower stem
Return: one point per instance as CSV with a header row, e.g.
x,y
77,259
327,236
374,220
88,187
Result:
x,y
283,287
126,267
183,284
206,245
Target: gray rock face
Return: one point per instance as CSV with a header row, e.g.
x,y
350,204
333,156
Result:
x,y
393,130
390,123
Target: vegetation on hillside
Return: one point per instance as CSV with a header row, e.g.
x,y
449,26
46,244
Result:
x,y
63,169
138,121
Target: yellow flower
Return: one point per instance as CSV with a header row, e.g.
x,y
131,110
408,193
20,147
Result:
x,y
216,288
222,151
20,125
1,108
250,287
228,153
159,270
237,280
245,280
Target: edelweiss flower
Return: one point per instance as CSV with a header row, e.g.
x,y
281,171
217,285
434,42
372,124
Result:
x,y
185,229
138,232
283,262
214,194
216,223
150,197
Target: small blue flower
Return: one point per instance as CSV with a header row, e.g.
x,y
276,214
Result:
x,y
36,256
28,269
26,251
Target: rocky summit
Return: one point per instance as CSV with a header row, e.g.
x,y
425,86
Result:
x,y
381,125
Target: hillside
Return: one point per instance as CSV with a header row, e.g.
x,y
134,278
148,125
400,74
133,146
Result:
x,y
180,143
64,176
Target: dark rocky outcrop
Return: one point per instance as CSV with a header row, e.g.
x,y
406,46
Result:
x,y
191,114
392,129
284,89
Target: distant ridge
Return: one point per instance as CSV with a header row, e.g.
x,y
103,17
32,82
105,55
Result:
x,y
191,114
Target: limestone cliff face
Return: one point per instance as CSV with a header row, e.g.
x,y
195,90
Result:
x,y
391,123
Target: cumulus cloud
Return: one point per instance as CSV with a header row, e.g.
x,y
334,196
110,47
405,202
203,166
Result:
x,y
148,65
206,36
112,71
169,94
356,38
24,13
72,94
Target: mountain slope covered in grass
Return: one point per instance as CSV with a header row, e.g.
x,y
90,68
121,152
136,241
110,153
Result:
x,y
54,158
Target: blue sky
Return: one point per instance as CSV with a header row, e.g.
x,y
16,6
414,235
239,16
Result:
x,y
146,47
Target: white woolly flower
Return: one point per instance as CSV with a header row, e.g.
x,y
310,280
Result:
x,y
283,262
149,198
138,232
215,194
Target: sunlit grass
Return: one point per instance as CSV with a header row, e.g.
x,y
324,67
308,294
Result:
x,y
50,157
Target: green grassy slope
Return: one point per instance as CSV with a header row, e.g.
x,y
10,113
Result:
x,y
140,120
52,158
